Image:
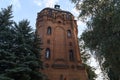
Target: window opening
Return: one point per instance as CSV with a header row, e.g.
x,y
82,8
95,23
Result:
x,y
47,53
71,55
49,30
69,33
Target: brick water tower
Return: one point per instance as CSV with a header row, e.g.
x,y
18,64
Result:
x,y
61,54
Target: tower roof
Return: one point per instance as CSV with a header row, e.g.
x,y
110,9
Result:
x,y
56,8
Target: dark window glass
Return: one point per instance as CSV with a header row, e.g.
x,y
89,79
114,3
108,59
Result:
x,y
69,33
49,30
47,53
71,55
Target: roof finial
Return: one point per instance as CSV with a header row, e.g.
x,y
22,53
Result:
x,y
57,6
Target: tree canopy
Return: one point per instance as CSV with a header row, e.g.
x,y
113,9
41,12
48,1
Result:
x,y
19,49
102,35
85,56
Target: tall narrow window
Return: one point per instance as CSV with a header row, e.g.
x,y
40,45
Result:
x,y
69,33
47,53
49,30
71,55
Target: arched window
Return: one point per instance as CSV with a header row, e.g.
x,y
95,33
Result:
x,y
49,30
47,53
71,55
69,33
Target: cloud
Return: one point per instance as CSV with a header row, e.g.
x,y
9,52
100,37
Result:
x,y
75,11
46,3
81,27
16,4
50,3
38,2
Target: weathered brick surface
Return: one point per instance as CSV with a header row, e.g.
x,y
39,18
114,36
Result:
x,y
59,66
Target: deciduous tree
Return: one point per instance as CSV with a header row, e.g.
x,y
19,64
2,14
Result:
x,y
102,35
85,56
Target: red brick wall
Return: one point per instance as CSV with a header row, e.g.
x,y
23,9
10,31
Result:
x,y
59,64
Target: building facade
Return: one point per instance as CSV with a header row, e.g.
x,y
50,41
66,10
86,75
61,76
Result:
x,y
60,55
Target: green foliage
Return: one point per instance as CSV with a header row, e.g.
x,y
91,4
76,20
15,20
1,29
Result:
x,y
5,78
19,49
85,56
6,39
103,33
91,73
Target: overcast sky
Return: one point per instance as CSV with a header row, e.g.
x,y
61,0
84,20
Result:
x,y
28,9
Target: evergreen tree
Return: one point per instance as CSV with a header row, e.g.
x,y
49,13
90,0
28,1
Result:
x,y
27,54
19,49
103,33
6,39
